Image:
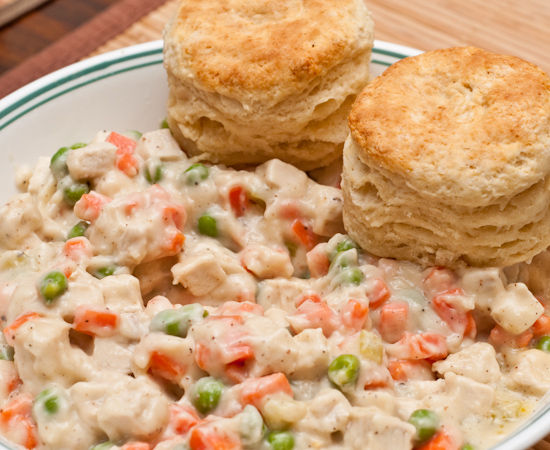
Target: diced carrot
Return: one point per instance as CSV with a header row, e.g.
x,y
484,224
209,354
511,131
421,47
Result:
x,y
235,347
127,164
125,161
20,405
136,446
90,205
238,308
77,248
182,418
207,438
16,416
304,234
459,321
239,201
176,214
289,209
255,390
317,261
541,327
95,321
11,329
404,370
173,242
165,367
499,336
305,296
440,441
202,355
429,346
314,315
379,294
122,143
439,280
236,371
354,315
394,320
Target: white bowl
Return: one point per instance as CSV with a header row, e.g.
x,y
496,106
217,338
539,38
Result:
x,y
127,90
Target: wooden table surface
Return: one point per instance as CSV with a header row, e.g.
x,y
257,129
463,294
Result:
x,y
517,27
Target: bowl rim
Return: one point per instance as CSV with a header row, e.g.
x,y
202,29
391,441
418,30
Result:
x,y
18,103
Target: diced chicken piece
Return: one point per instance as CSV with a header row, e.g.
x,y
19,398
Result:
x,y
328,412
64,429
19,220
155,275
122,407
380,399
516,309
484,284
327,219
168,357
122,293
283,176
478,362
373,429
313,354
530,372
45,355
281,293
265,262
159,144
462,397
139,227
111,355
200,274
91,161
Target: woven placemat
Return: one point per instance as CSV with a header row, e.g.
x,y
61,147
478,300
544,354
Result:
x,y
79,43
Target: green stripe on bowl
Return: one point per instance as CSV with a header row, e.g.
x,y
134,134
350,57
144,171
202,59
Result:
x,y
96,67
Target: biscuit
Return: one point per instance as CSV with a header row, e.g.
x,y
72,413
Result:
x,y
448,159
265,79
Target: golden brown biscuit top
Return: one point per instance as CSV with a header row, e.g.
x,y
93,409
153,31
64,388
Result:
x,y
264,47
461,122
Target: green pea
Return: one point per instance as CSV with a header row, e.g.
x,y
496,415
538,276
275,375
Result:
x,y
103,446
341,261
78,145
196,173
78,230
281,440
103,272
6,353
425,422
134,134
467,447
251,427
206,394
292,248
544,344
75,191
58,163
351,276
52,285
154,174
344,370
48,399
208,226
176,322
346,244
